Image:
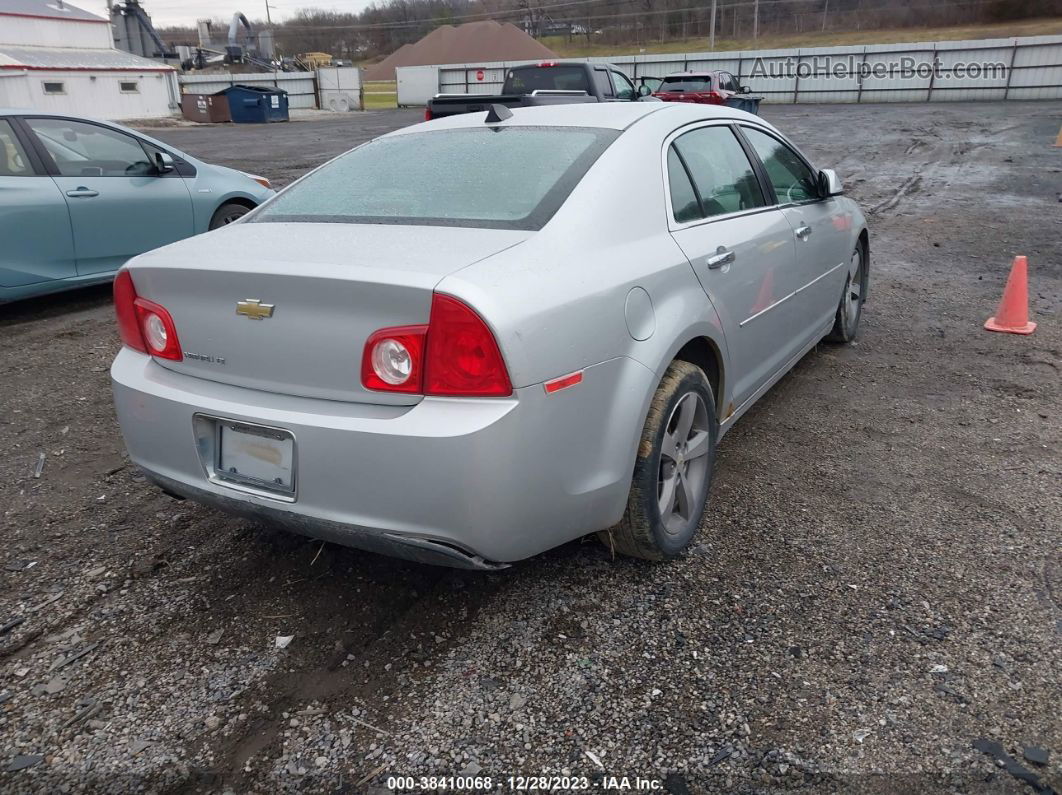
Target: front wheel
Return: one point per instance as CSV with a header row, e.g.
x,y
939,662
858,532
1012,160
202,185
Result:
x,y
227,213
850,309
673,470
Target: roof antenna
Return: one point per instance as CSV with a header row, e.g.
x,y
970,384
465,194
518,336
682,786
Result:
x,y
498,113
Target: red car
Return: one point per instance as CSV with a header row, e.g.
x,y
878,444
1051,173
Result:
x,y
705,88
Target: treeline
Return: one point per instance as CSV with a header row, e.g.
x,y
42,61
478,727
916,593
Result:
x,y
384,27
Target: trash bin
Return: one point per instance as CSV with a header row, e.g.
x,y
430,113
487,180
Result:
x,y
205,107
745,102
256,104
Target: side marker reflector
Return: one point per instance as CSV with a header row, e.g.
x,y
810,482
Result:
x,y
563,382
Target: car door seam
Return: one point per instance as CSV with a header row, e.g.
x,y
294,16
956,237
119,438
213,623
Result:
x,y
798,290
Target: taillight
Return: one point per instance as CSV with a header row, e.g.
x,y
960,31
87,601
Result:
x,y
393,360
547,63
142,324
463,357
124,298
427,114
455,355
157,329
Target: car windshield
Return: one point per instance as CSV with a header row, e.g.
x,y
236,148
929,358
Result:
x,y
687,83
500,178
546,78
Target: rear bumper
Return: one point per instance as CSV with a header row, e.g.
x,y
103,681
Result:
x,y
470,483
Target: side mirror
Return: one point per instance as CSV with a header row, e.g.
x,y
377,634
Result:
x,y
644,90
829,183
164,163
744,90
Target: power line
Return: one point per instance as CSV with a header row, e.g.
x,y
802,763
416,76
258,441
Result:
x,y
289,28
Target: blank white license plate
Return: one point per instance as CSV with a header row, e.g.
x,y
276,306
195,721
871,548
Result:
x,y
257,456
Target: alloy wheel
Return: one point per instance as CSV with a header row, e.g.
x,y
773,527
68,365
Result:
x,y
683,462
854,291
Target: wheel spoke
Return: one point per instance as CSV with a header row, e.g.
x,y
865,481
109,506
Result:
x,y
687,410
698,445
684,497
667,497
669,446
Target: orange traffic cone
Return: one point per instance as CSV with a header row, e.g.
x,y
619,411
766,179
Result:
x,y
1013,313
1058,140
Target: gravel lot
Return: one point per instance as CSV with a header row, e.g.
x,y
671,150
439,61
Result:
x,y
877,584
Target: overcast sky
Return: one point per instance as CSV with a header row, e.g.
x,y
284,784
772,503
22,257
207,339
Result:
x,y
165,13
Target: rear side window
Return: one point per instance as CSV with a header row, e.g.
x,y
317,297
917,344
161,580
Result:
x,y
499,178
721,171
13,159
684,204
793,181
604,85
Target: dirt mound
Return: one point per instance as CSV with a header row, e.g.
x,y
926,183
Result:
x,y
484,41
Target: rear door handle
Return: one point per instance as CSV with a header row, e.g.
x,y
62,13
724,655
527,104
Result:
x,y
82,193
720,258
803,231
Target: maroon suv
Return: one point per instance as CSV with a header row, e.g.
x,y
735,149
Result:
x,y
706,88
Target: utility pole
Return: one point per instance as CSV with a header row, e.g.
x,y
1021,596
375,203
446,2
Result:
x,y
756,19
825,11
269,20
711,34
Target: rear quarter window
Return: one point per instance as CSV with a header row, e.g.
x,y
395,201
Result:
x,y
500,178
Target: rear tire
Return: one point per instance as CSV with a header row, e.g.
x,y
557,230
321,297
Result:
x,y
850,309
227,213
676,457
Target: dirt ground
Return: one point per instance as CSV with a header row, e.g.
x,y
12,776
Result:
x,y
876,587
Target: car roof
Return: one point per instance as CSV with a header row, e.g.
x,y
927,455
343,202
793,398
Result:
x,y
607,115
699,73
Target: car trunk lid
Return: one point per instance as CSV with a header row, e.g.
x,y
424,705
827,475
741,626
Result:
x,y
287,308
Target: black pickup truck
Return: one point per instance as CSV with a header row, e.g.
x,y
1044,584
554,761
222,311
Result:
x,y
547,83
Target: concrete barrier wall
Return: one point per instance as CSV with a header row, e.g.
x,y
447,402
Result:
x,y
1022,68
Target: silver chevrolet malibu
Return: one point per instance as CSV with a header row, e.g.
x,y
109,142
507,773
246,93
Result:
x,y
477,338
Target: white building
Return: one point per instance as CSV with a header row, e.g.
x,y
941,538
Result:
x,y
58,58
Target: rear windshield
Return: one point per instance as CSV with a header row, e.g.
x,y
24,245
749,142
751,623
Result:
x,y
546,78
686,83
499,178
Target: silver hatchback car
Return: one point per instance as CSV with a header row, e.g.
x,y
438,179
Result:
x,y
474,339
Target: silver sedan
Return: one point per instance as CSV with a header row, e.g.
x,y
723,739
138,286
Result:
x,y
474,339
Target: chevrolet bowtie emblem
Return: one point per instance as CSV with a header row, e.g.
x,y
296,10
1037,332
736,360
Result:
x,y
254,309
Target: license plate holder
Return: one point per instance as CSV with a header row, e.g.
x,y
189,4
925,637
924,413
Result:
x,y
254,457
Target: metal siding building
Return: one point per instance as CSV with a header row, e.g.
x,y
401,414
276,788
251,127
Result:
x,y
56,57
